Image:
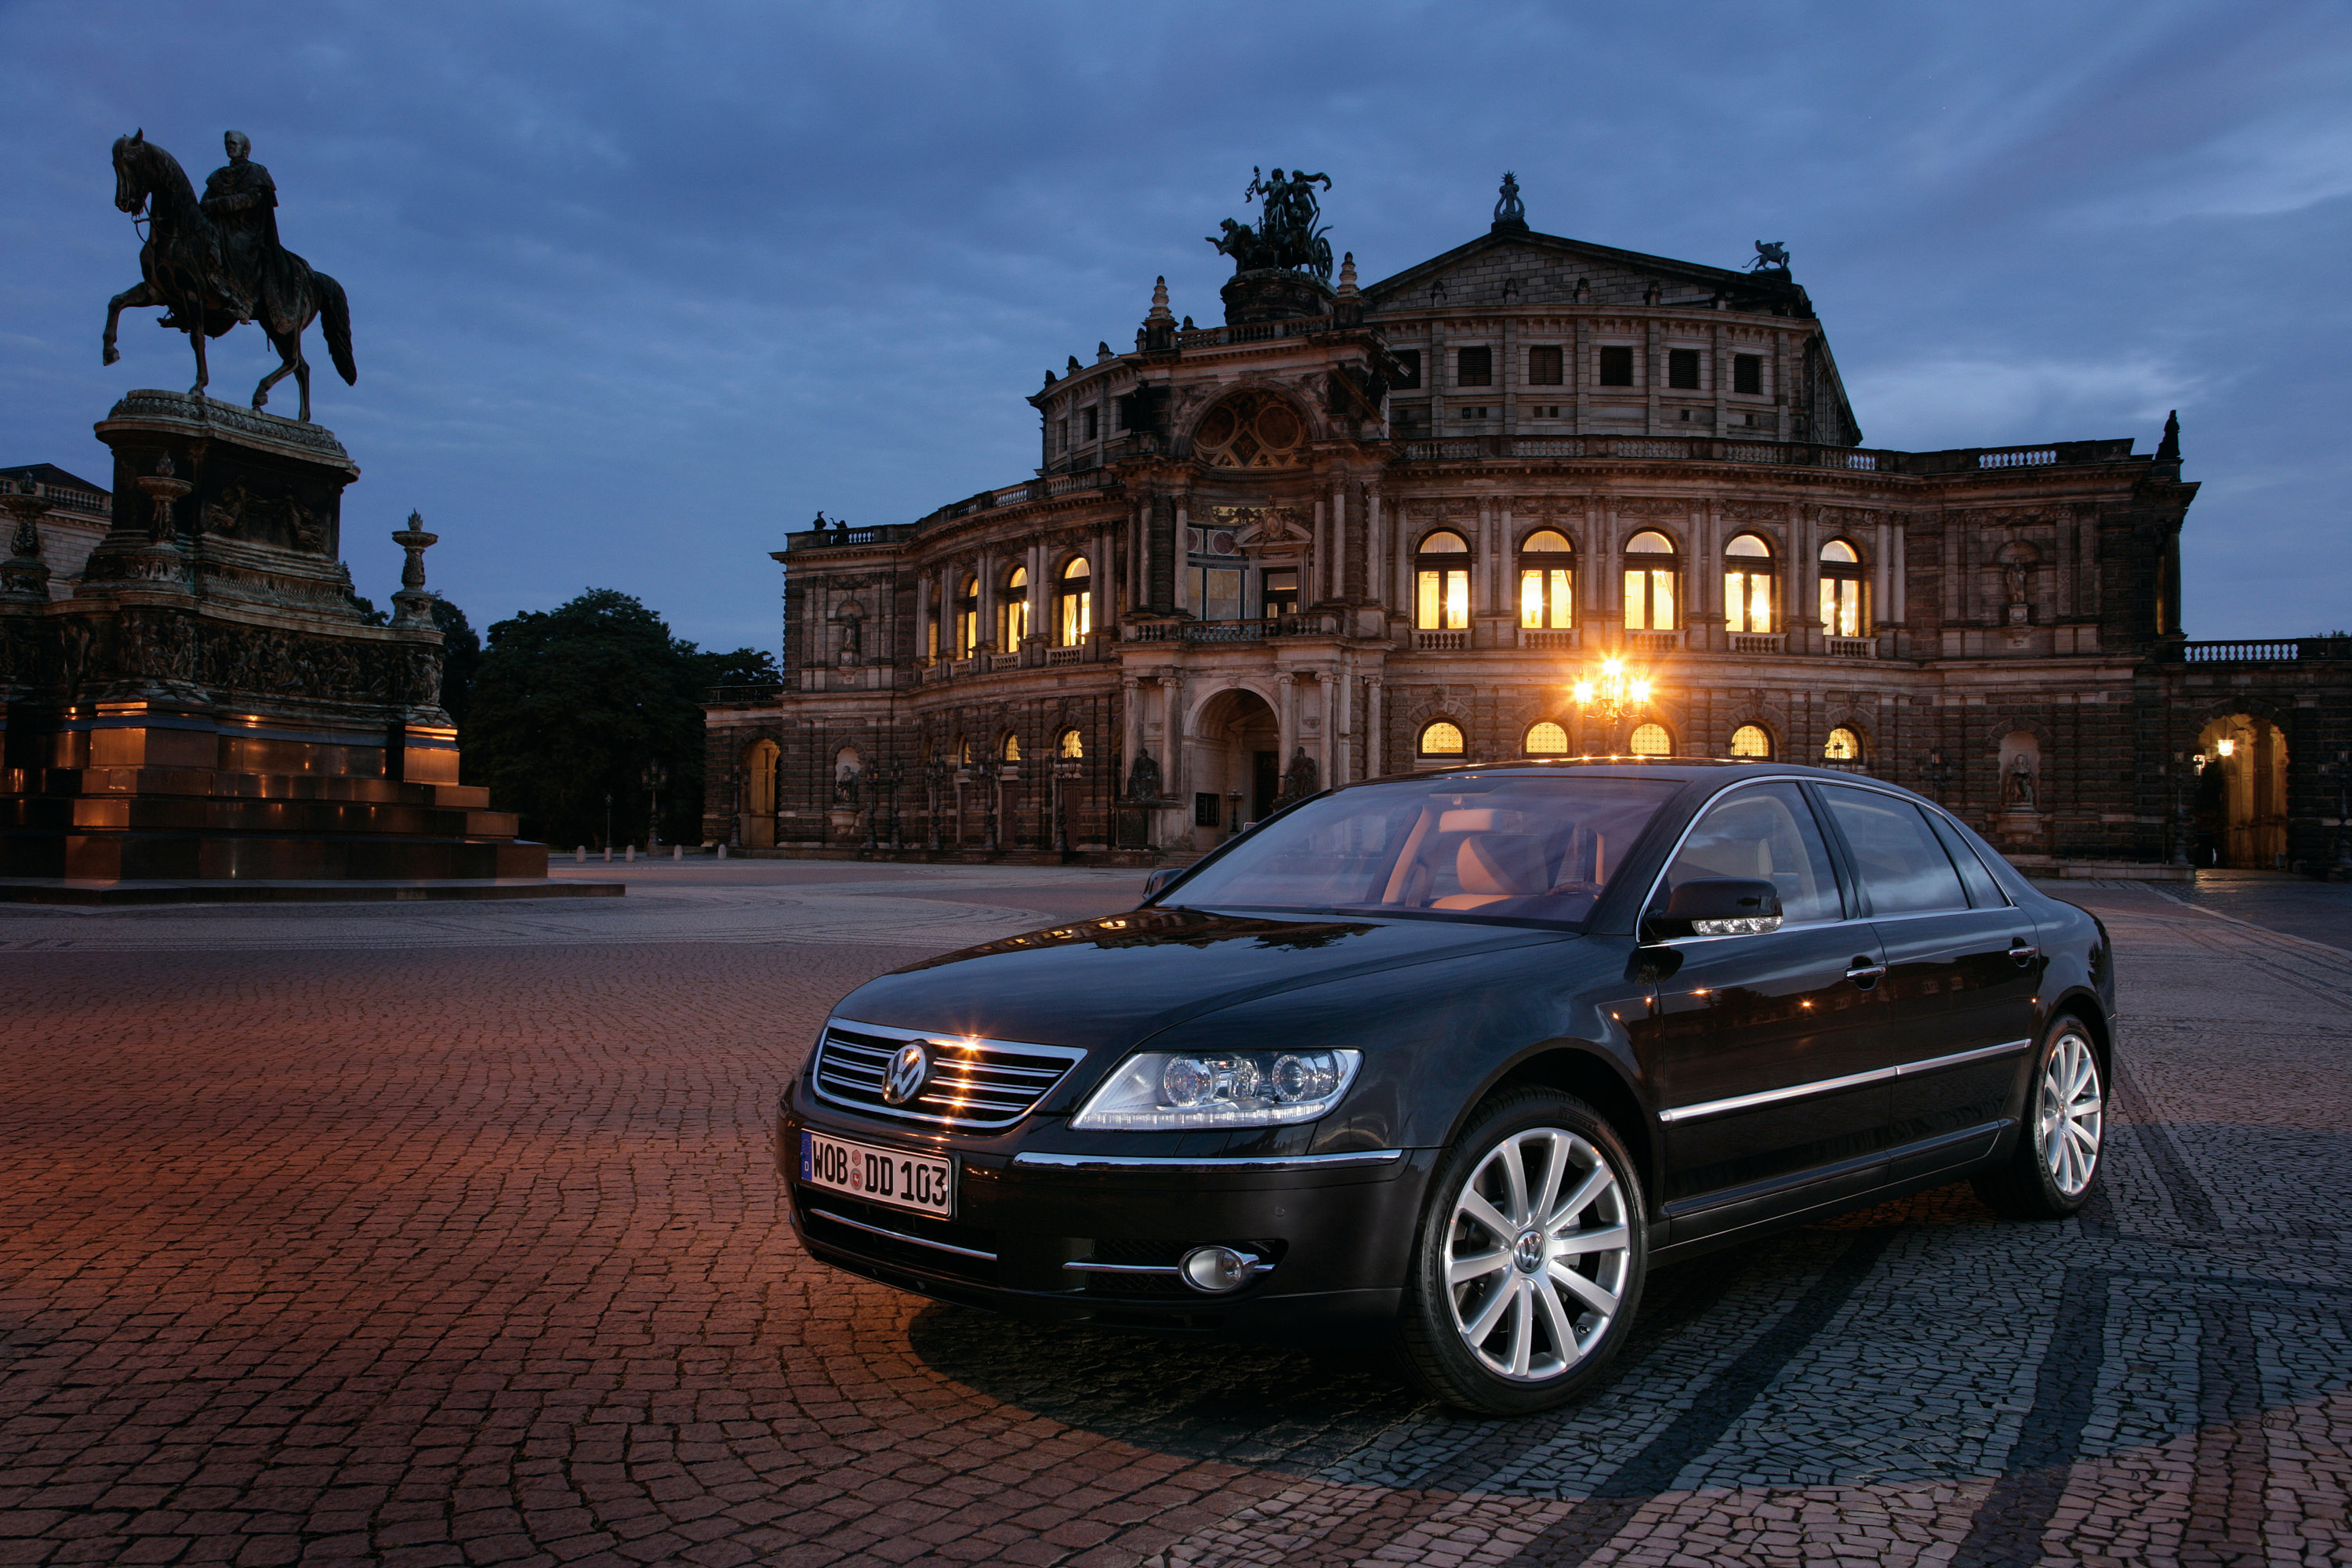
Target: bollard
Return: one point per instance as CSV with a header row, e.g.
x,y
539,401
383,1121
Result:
x,y
579,856
608,854
677,852
723,852
632,856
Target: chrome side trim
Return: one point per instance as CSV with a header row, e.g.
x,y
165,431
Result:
x,y
1831,1085
902,1235
1933,1064
1773,1096
1209,1166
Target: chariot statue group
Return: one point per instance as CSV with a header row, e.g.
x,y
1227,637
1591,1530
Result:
x,y
214,262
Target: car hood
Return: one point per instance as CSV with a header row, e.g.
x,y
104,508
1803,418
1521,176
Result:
x,y
1118,980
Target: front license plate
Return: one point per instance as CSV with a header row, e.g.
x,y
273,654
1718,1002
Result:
x,y
891,1177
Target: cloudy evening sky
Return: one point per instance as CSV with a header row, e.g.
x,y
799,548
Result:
x,y
636,288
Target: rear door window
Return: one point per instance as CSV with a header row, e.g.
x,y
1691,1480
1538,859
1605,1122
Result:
x,y
1983,891
1901,862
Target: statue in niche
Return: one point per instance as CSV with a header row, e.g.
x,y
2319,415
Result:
x,y
852,637
2014,573
1143,778
2019,792
848,769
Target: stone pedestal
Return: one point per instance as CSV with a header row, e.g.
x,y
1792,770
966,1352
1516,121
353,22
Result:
x,y
212,703
1273,294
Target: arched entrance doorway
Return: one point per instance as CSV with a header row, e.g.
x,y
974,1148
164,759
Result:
x,y
757,826
1233,764
2241,793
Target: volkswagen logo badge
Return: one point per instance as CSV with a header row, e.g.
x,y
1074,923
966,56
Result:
x,y
909,1071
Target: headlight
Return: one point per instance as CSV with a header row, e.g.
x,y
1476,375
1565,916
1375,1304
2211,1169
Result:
x,y
1169,1091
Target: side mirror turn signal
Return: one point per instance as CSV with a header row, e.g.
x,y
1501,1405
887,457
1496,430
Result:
x,y
1716,906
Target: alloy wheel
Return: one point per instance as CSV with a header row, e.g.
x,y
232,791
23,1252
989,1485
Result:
x,y
1537,1254
2072,1114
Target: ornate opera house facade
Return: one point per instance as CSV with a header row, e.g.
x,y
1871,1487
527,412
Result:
x,y
1368,529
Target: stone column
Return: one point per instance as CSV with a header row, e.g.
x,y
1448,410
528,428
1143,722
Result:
x,y
1130,729
1343,751
1172,734
1376,545
1318,561
987,572
1373,735
1286,716
1040,557
925,614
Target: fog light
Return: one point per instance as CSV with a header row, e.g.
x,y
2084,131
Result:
x,y
1217,1269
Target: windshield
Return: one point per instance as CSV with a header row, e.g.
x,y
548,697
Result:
x,y
1515,847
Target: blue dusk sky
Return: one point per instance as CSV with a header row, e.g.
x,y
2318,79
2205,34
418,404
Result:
x,y
638,287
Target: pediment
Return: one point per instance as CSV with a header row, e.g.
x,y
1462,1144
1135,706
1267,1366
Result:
x,y
1520,268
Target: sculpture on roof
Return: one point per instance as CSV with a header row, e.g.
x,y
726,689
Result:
x,y
1287,237
1510,213
216,262
1771,255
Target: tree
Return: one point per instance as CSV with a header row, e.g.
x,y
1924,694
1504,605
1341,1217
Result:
x,y
461,652
592,701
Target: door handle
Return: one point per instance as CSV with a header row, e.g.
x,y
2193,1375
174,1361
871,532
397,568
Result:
x,y
2023,951
1864,973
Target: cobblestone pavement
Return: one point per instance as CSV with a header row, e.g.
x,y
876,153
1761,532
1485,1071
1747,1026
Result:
x,y
419,1236
2299,906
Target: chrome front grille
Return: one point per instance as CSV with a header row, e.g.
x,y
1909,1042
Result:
x,y
973,1082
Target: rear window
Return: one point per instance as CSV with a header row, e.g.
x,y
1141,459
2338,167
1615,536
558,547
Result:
x,y
1515,848
1904,867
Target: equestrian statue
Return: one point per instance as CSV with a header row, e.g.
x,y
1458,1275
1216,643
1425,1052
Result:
x,y
216,262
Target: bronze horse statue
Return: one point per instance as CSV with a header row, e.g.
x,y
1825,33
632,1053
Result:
x,y
184,267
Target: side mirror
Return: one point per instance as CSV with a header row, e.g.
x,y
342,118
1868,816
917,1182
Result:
x,y
1157,883
1716,906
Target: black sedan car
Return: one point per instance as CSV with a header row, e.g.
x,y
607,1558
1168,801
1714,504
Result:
x,y
1454,1059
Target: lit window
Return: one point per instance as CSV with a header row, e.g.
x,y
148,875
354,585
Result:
x,y
1547,739
1279,590
1652,573
1845,596
1072,745
1747,581
1441,739
967,620
1842,746
1752,740
1546,582
965,753
1652,741
1011,751
1013,615
1441,584
1074,603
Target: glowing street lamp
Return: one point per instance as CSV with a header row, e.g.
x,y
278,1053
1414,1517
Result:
x,y
1614,694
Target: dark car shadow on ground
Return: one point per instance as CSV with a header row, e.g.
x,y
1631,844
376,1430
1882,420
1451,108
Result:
x,y
1298,1411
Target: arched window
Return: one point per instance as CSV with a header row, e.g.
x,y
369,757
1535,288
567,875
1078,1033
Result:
x,y
1011,750
1752,742
1546,582
1442,739
964,752
1748,580
1012,611
1546,740
1653,584
967,618
1442,574
1074,603
1652,741
1072,745
1846,596
1842,746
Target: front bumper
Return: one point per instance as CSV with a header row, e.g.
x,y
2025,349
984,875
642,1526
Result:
x,y
1338,1231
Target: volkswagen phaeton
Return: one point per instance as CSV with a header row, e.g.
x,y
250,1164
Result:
x,y
1455,1058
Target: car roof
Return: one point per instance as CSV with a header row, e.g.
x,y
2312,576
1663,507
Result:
x,y
1681,770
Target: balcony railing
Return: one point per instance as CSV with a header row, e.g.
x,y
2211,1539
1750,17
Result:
x,y
1653,642
2288,650
1715,449
1258,332
1759,642
1547,640
1234,631
1852,648
1441,642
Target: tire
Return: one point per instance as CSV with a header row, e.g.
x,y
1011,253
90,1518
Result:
x,y
1507,1317
2050,1173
